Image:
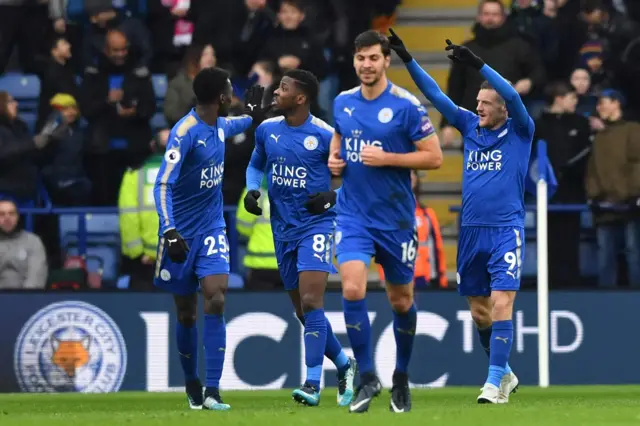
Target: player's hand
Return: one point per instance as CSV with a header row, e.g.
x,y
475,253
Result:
x,y
396,44
178,247
336,164
320,202
251,202
463,55
373,156
253,104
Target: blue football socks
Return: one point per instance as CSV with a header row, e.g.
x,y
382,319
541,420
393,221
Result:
x,y
500,348
315,341
404,330
356,318
485,340
215,344
187,339
334,351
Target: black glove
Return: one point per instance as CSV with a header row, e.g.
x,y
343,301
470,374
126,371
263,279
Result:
x,y
320,202
464,55
253,104
251,202
178,247
396,44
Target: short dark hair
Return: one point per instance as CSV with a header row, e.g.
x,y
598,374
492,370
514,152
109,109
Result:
x,y
306,82
555,89
298,4
371,38
498,2
209,84
487,86
590,6
55,41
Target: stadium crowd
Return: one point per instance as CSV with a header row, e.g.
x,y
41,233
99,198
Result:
x,y
97,141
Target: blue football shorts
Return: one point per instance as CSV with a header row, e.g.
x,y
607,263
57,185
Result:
x,y
208,255
489,258
312,252
395,250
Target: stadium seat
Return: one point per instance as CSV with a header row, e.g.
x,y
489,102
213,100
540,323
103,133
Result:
x,y
158,122
159,87
25,88
108,265
235,281
101,228
30,119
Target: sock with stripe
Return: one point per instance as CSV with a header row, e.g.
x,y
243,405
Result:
x,y
485,339
499,350
315,341
356,318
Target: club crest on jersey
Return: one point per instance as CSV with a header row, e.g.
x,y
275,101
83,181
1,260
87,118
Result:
x,y
172,156
310,142
221,134
385,115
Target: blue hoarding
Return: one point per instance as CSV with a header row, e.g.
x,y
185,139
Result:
x,y
124,341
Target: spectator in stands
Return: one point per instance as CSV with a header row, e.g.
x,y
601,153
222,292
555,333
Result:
x,y
568,138
118,103
23,262
430,263
58,77
104,18
613,181
260,259
63,169
581,81
265,71
18,153
237,29
24,24
180,97
592,60
171,32
139,219
530,22
507,53
293,45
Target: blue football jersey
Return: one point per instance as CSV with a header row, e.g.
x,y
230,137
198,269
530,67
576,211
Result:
x,y
378,197
495,166
188,188
295,161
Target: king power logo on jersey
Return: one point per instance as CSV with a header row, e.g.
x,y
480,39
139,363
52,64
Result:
x,y
211,176
285,175
356,143
484,160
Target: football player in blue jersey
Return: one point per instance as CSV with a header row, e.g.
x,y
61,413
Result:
x,y
382,132
294,149
497,144
193,250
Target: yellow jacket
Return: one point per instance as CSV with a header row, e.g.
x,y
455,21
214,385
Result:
x,y
138,216
261,252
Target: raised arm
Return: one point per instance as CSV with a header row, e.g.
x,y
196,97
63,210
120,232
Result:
x,y
517,110
430,89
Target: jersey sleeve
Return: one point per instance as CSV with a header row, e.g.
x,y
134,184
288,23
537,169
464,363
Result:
x,y
258,162
236,125
418,123
465,121
177,150
336,115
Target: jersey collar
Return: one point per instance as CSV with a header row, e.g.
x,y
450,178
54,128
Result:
x,y
387,90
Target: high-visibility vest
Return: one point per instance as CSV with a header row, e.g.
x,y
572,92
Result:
x,y
138,217
430,260
261,251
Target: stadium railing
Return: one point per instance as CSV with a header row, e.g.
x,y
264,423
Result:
x,y
82,234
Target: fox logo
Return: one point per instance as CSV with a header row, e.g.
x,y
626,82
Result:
x,y
70,355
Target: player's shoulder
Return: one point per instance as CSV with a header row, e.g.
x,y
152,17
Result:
x,y
187,124
270,122
321,125
346,94
228,120
403,96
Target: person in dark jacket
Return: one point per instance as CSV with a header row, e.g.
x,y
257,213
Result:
x,y
501,49
18,154
613,180
568,138
293,38
531,24
58,77
118,102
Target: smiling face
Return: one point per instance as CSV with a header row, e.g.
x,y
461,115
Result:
x,y
491,108
371,64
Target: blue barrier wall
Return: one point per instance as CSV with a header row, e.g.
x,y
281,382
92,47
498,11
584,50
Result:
x,y
125,341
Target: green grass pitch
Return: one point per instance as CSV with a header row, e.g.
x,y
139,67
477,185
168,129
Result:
x,y
564,406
